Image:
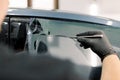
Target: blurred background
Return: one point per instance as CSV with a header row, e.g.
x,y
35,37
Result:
x,y
103,8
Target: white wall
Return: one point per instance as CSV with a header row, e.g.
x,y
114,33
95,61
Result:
x,y
18,3
37,4
80,6
43,4
107,8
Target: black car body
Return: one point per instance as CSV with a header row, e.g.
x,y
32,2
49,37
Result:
x,y
39,31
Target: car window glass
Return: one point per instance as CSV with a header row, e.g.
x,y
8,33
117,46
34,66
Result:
x,y
60,27
71,28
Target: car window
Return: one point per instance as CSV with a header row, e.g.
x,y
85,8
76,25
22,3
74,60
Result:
x,y
18,29
71,28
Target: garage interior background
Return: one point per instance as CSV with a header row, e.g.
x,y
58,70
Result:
x,y
103,8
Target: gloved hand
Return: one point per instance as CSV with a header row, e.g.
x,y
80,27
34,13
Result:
x,y
101,46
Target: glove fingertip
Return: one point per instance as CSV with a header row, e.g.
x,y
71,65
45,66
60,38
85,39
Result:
x,y
81,45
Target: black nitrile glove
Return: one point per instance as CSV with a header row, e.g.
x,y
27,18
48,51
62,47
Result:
x,y
100,46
